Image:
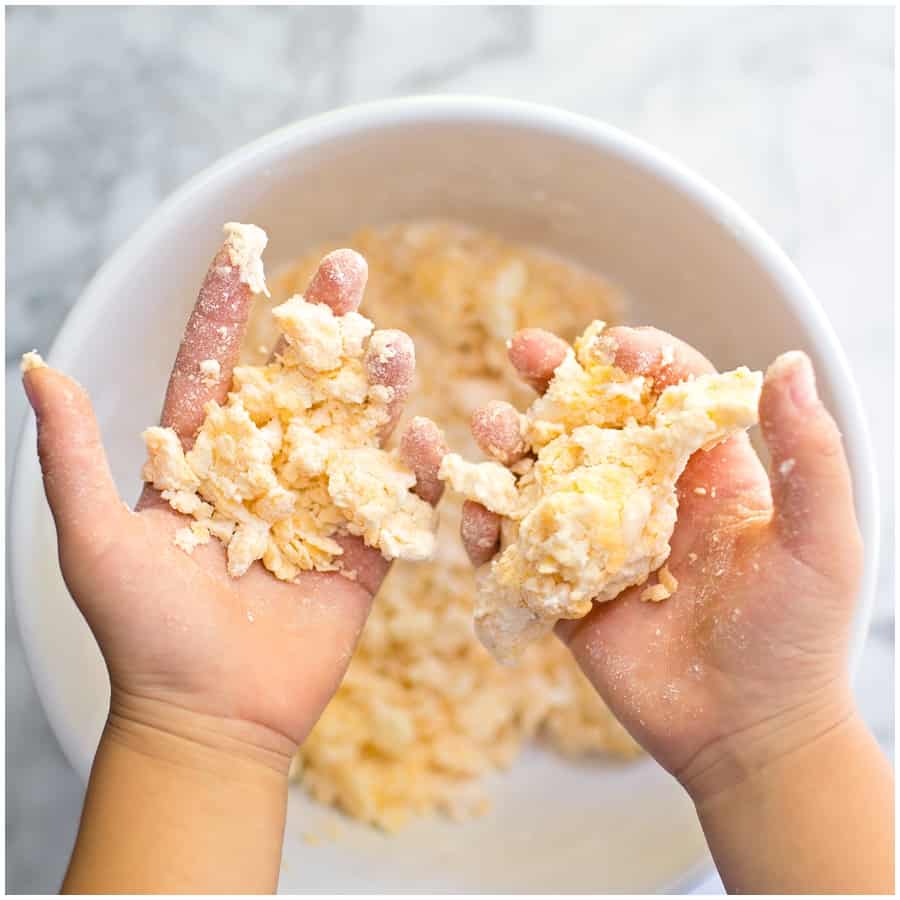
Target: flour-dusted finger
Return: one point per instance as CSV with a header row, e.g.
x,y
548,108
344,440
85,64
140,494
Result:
x,y
655,354
479,529
713,479
212,340
536,353
422,447
390,364
339,282
79,486
498,428
361,564
810,477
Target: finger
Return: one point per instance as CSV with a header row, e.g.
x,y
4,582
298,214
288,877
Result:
x,y
479,529
77,481
422,447
339,282
390,362
729,476
811,486
536,353
715,479
656,354
212,340
364,565
498,430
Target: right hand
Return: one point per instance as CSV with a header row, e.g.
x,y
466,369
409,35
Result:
x,y
748,659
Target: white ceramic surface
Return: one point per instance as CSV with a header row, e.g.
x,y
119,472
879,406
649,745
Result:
x,y
690,261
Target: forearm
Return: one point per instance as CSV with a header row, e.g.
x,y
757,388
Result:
x,y
817,819
170,810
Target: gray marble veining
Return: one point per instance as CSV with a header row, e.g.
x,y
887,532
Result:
x,y
789,110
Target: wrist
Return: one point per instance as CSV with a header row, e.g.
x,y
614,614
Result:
x,y
180,802
747,755
813,817
171,733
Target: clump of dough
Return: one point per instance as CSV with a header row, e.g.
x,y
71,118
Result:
x,y
245,244
293,456
594,514
32,360
210,370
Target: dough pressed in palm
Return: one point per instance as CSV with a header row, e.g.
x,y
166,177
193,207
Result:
x,y
293,456
594,512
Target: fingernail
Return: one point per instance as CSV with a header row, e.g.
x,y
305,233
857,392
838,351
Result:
x,y
803,382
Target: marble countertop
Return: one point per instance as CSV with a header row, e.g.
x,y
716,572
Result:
x,y
788,110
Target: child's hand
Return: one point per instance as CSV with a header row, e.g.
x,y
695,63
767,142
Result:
x,y
249,661
749,656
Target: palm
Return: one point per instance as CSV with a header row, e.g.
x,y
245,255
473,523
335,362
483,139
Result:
x,y
725,625
179,627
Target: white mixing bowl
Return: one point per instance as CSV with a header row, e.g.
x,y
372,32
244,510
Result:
x,y
690,260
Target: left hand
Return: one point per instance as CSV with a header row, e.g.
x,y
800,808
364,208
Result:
x,y
254,660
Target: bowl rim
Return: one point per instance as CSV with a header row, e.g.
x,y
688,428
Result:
x,y
448,109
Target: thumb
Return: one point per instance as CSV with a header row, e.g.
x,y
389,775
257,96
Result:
x,y
810,479
79,487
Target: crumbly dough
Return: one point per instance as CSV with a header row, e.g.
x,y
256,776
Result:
x,y
293,456
424,712
490,483
595,512
31,360
663,589
245,245
210,371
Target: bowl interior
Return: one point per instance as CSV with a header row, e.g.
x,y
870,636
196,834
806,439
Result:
x,y
586,194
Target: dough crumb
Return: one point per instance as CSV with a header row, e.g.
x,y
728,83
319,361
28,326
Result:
x,y
32,360
191,536
787,467
667,579
667,586
210,371
245,245
490,483
654,594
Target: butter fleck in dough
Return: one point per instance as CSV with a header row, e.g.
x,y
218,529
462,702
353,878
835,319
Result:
x,y
594,514
293,456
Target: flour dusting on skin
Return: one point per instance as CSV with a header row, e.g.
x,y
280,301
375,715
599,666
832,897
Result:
x,y
294,456
595,512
